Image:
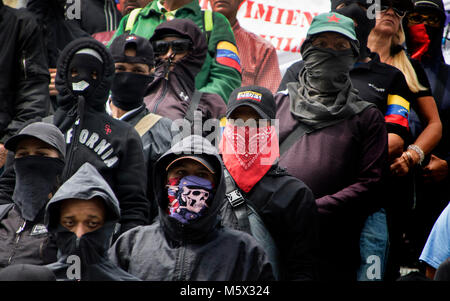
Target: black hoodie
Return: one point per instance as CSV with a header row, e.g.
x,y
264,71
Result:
x,y
170,93
91,248
112,146
202,250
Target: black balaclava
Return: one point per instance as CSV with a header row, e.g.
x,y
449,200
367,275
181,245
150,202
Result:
x,y
327,70
359,15
128,89
36,178
85,61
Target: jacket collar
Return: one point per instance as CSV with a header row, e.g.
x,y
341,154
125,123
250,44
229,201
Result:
x,y
153,8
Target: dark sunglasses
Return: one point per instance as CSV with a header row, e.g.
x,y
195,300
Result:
x,y
419,18
400,13
178,46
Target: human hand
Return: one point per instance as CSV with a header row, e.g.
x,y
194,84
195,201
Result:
x,y
436,170
401,165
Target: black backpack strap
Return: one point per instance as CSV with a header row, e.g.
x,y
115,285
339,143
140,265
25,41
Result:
x,y
193,105
294,136
237,202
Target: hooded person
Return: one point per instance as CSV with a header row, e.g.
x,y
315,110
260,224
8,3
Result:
x,y
134,61
284,203
39,150
424,26
82,252
333,141
188,243
84,78
178,60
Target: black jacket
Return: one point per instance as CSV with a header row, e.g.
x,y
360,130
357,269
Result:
x,y
57,30
24,73
155,142
99,16
288,209
24,242
203,250
112,146
91,248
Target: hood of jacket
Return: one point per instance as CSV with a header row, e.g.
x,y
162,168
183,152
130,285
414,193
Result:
x,y
205,225
187,68
69,105
91,248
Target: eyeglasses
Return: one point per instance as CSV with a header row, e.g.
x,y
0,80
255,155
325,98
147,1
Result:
x,y
431,20
178,46
400,13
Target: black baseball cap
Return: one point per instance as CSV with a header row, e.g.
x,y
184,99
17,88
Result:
x,y
43,131
144,50
256,97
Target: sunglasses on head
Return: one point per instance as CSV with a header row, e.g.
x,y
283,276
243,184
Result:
x,y
400,13
178,46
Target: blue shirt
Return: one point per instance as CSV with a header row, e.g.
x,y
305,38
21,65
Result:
x,y
437,247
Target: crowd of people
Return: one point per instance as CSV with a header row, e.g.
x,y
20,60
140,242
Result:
x,y
156,141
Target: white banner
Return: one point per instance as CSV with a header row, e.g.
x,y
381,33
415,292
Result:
x,y
282,22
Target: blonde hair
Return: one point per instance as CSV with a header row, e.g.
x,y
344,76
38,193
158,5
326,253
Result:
x,y
400,61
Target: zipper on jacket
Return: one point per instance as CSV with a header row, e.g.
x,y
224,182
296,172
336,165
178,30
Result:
x,y
24,64
74,143
16,241
161,97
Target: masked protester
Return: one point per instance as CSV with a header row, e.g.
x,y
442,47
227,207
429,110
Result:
x,y
180,52
39,150
250,152
424,26
333,141
82,215
188,243
386,87
84,78
134,62
219,71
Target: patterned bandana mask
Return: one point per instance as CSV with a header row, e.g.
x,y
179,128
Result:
x,y
249,152
189,198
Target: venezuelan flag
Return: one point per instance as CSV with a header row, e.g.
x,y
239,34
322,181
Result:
x,y
397,110
227,55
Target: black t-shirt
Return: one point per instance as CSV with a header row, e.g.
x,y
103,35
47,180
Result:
x,y
378,83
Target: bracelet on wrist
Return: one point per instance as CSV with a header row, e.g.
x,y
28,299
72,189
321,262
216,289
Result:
x,y
419,151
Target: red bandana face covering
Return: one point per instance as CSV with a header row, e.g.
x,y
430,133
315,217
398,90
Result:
x,y
248,153
419,40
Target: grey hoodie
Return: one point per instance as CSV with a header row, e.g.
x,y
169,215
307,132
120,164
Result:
x,y
202,250
92,247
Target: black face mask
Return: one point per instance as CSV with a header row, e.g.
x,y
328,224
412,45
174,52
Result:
x,y
36,178
83,83
435,36
327,69
364,27
128,89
